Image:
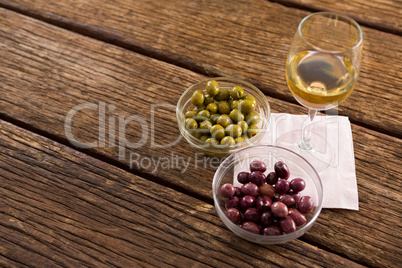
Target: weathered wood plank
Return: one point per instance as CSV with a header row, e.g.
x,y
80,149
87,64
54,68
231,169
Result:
x,y
62,69
244,38
59,207
380,14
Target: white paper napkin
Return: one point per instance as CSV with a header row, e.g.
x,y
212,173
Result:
x,y
339,179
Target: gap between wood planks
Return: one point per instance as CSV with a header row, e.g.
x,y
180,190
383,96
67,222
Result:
x,y
309,8
110,37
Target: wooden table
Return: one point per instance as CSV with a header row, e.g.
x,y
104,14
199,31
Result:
x,y
118,61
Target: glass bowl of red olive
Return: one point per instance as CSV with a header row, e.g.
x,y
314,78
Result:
x,y
221,115
267,194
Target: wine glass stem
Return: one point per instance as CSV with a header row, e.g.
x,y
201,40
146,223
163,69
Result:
x,y
305,143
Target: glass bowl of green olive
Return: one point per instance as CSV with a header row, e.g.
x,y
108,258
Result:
x,y
219,116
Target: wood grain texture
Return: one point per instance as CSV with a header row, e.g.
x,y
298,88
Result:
x,y
62,208
381,14
244,38
62,69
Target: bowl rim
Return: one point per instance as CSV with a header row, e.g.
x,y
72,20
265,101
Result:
x,y
243,233
223,148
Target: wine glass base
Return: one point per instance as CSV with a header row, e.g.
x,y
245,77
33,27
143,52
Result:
x,y
319,156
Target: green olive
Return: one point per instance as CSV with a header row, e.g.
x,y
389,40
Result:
x,y
237,92
243,125
212,88
247,106
240,139
253,118
190,123
223,107
217,132
235,105
223,94
198,97
203,114
236,115
190,114
252,131
223,120
233,130
212,141
212,108
250,97
228,141
204,137
205,126
214,118
208,99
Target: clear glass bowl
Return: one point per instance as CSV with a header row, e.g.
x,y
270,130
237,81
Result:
x,y
184,104
298,166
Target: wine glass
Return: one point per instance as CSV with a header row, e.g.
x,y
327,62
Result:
x,y
321,71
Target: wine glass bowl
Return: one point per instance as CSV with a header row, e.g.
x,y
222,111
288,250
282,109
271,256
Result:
x,y
324,60
321,71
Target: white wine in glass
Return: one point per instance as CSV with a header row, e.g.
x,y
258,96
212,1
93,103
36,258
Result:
x,y
321,72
